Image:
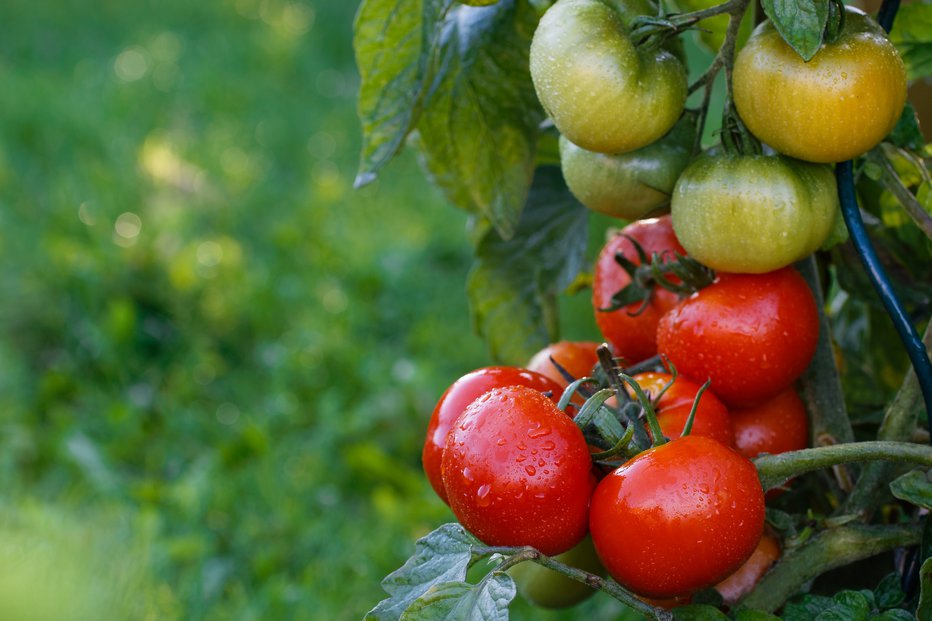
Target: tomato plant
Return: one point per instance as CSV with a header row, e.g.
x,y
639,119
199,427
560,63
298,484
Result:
x,y
697,508
751,334
458,396
517,471
834,107
546,588
753,213
586,68
632,330
675,403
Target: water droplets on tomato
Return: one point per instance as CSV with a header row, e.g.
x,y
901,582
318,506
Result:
x,y
548,446
467,474
483,499
531,470
539,432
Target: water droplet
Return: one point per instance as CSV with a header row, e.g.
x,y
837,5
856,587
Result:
x,y
548,446
541,463
501,442
704,488
520,458
539,432
467,474
531,470
482,495
522,446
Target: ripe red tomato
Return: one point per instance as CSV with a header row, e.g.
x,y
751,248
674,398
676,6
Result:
x,y
677,518
633,337
711,420
577,357
517,472
740,583
751,334
775,426
460,394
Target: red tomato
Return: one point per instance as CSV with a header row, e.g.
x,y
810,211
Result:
x,y
677,518
711,420
740,583
751,334
577,357
633,337
775,426
460,394
517,472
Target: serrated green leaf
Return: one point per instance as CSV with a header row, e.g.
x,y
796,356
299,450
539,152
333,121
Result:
x,y
801,23
906,133
394,41
461,601
924,611
755,615
806,607
847,606
440,557
888,593
513,283
912,36
895,614
914,487
698,613
478,130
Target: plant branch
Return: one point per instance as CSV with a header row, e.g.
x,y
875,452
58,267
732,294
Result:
x,y
824,551
774,470
907,199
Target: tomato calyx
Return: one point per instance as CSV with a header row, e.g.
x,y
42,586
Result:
x,y
835,24
654,271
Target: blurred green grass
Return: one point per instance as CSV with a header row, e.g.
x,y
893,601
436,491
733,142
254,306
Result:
x,y
203,325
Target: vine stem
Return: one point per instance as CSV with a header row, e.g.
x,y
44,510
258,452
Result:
x,y
907,199
774,470
612,588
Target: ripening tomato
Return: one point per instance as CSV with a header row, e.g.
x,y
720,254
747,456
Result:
x,y
603,93
546,588
711,419
517,472
753,213
577,357
740,583
751,334
775,426
834,107
460,394
677,518
632,336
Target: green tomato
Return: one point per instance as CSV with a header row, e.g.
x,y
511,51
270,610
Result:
x,y
602,92
753,213
631,185
545,588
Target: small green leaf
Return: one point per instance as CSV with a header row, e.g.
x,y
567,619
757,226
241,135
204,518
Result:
x,y
513,283
847,606
698,613
894,614
479,127
461,601
440,557
394,42
755,615
801,23
806,607
888,592
912,36
906,133
924,611
914,487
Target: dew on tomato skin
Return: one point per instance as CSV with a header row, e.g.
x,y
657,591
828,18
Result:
x,y
501,442
522,446
467,474
541,463
533,451
548,446
520,458
531,470
482,495
539,432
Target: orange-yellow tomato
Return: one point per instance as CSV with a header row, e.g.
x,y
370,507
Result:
x,y
740,583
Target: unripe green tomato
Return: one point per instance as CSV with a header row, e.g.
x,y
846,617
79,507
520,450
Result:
x,y
631,185
603,93
753,213
545,588
838,105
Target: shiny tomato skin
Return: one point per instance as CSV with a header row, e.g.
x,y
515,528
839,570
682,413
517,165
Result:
x,y
752,334
834,107
458,396
517,472
740,583
775,426
577,357
677,518
633,337
711,420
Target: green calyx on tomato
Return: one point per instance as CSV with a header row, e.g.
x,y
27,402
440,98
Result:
x,y
546,588
603,92
631,185
753,213
834,107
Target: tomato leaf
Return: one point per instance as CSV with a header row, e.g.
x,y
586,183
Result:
x,y
912,36
461,601
914,487
755,615
801,23
806,607
895,614
394,41
513,283
440,557
888,593
479,128
907,133
924,611
698,613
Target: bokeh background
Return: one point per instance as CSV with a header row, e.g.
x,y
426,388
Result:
x,y
217,358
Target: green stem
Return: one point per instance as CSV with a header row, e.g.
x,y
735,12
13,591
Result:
x,y
898,425
607,585
891,180
774,470
825,551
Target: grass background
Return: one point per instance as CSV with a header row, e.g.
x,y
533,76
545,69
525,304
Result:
x,y
217,359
